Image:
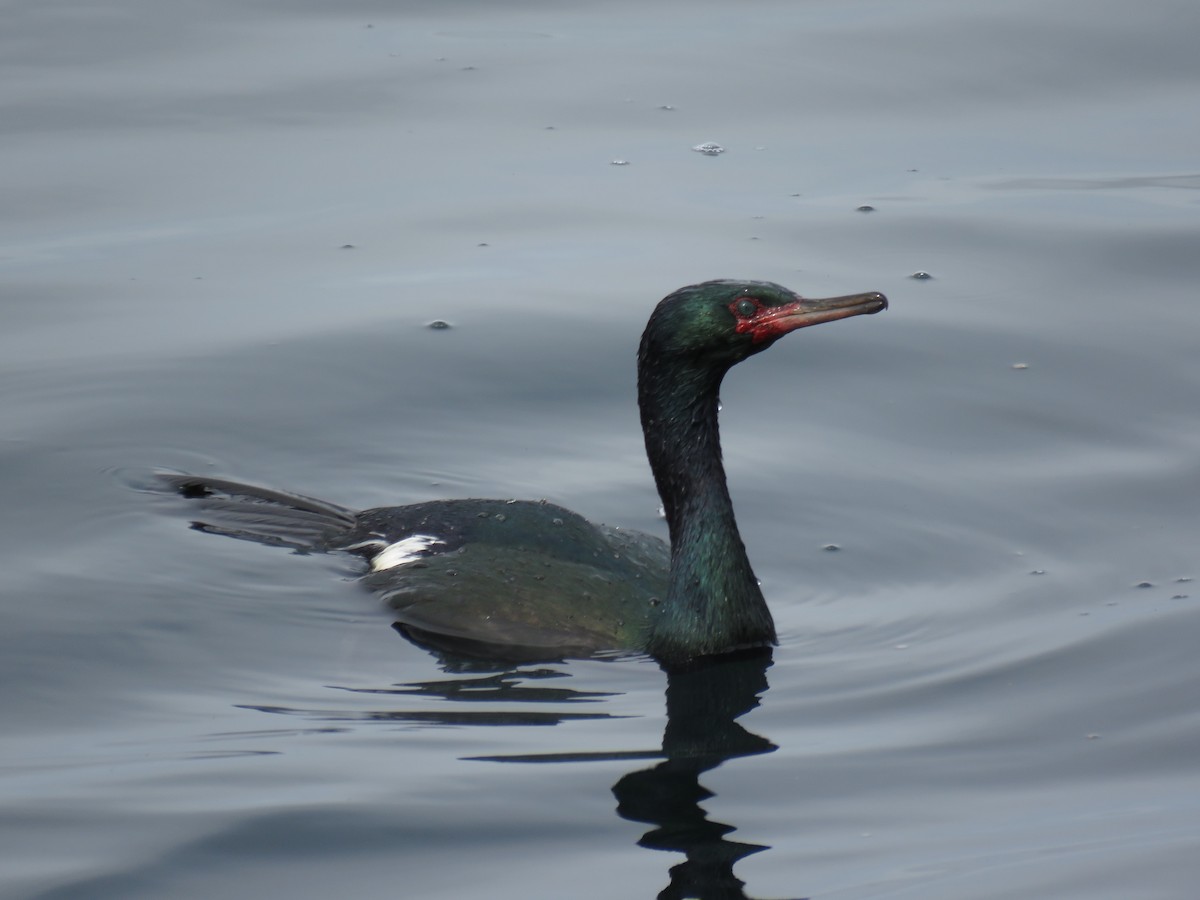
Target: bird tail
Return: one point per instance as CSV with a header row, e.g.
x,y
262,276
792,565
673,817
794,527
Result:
x,y
251,513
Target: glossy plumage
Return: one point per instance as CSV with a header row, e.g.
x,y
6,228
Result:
x,y
527,579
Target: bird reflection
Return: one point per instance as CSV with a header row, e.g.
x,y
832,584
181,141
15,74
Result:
x,y
704,700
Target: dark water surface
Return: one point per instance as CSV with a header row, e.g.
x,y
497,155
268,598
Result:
x,y
989,692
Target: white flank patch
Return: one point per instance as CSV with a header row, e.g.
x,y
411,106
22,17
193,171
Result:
x,y
402,552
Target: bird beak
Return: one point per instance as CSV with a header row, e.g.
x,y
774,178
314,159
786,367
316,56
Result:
x,y
775,321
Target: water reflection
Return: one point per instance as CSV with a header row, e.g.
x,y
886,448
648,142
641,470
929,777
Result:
x,y
701,733
704,701
508,686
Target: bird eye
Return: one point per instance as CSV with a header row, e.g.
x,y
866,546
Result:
x,y
745,307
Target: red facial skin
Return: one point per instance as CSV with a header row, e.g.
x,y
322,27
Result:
x,y
766,323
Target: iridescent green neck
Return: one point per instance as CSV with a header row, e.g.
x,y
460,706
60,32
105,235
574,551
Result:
x,y
713,601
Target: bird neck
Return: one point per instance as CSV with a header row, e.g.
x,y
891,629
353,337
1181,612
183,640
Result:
x,y
713,601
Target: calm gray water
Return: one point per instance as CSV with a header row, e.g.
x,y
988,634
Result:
x,y
989,692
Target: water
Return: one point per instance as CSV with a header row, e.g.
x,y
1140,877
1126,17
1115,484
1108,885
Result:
x,y
188,716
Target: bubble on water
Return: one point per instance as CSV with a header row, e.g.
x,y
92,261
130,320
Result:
x,y
709,148
831,548
921,276
866,208
667,107
1020,366
438,325
619,162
